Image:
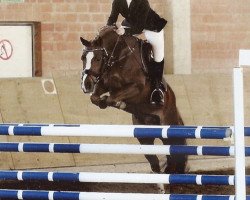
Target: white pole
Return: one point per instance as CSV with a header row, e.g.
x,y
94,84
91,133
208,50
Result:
x,y
240,182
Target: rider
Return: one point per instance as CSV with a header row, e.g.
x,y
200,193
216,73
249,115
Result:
x,y
141,18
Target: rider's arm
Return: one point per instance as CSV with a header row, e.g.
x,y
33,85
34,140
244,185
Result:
x,y
114,13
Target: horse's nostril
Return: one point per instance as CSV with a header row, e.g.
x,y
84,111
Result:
x,y
85,71
88,85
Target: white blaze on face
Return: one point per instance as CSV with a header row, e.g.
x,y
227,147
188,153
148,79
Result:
x,y
89,58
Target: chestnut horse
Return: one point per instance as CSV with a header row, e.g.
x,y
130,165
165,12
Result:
x,y
114,72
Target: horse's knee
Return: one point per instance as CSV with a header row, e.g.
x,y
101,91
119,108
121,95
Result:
x,y
101,102
94,99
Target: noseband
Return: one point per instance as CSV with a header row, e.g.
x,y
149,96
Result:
x,y
105,55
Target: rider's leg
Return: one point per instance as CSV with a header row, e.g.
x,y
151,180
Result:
x,y
156,39
157,95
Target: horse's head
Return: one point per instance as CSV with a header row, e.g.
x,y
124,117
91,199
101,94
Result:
x,y
95,56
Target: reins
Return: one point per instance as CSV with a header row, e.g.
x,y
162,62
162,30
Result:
x,y
111,62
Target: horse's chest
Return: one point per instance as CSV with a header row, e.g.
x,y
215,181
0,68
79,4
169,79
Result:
x,y
115,81
118,75
118,78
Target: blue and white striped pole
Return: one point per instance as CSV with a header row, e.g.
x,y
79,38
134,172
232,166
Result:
x,y
118,131
119,149
53,195
214,134
120,177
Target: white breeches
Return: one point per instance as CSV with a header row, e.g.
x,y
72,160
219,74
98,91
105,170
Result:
x,y
128,2
156,39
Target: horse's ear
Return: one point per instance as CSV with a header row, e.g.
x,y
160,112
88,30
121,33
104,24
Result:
x,y
85,42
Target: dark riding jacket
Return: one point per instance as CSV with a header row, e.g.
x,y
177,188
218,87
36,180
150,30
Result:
x,y
139,15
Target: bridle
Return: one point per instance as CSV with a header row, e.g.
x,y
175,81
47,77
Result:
x,y
109,59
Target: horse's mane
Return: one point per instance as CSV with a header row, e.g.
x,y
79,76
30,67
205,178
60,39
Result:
x,y
102,32
107,27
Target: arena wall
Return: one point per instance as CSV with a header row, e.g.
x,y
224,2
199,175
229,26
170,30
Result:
x,y
219,29
62,24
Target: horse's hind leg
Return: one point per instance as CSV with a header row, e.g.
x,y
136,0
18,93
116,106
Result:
x,y
152,159
176,164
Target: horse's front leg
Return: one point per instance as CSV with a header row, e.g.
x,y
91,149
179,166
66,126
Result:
x,y
96,97
119,98
175,164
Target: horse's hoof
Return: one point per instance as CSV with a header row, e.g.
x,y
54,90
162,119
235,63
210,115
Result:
x,y
103,104
121,105
161,188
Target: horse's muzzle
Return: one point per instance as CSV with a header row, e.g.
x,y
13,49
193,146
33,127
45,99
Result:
x,y
87,84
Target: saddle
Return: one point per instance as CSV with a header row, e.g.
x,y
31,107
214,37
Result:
x,y
146,54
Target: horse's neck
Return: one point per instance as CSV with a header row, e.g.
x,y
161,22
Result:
x,y
131,40
118,47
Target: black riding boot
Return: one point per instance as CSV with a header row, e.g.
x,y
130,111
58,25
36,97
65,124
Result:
x,y
157,96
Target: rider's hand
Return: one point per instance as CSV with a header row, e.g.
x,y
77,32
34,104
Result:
x,y
120,31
